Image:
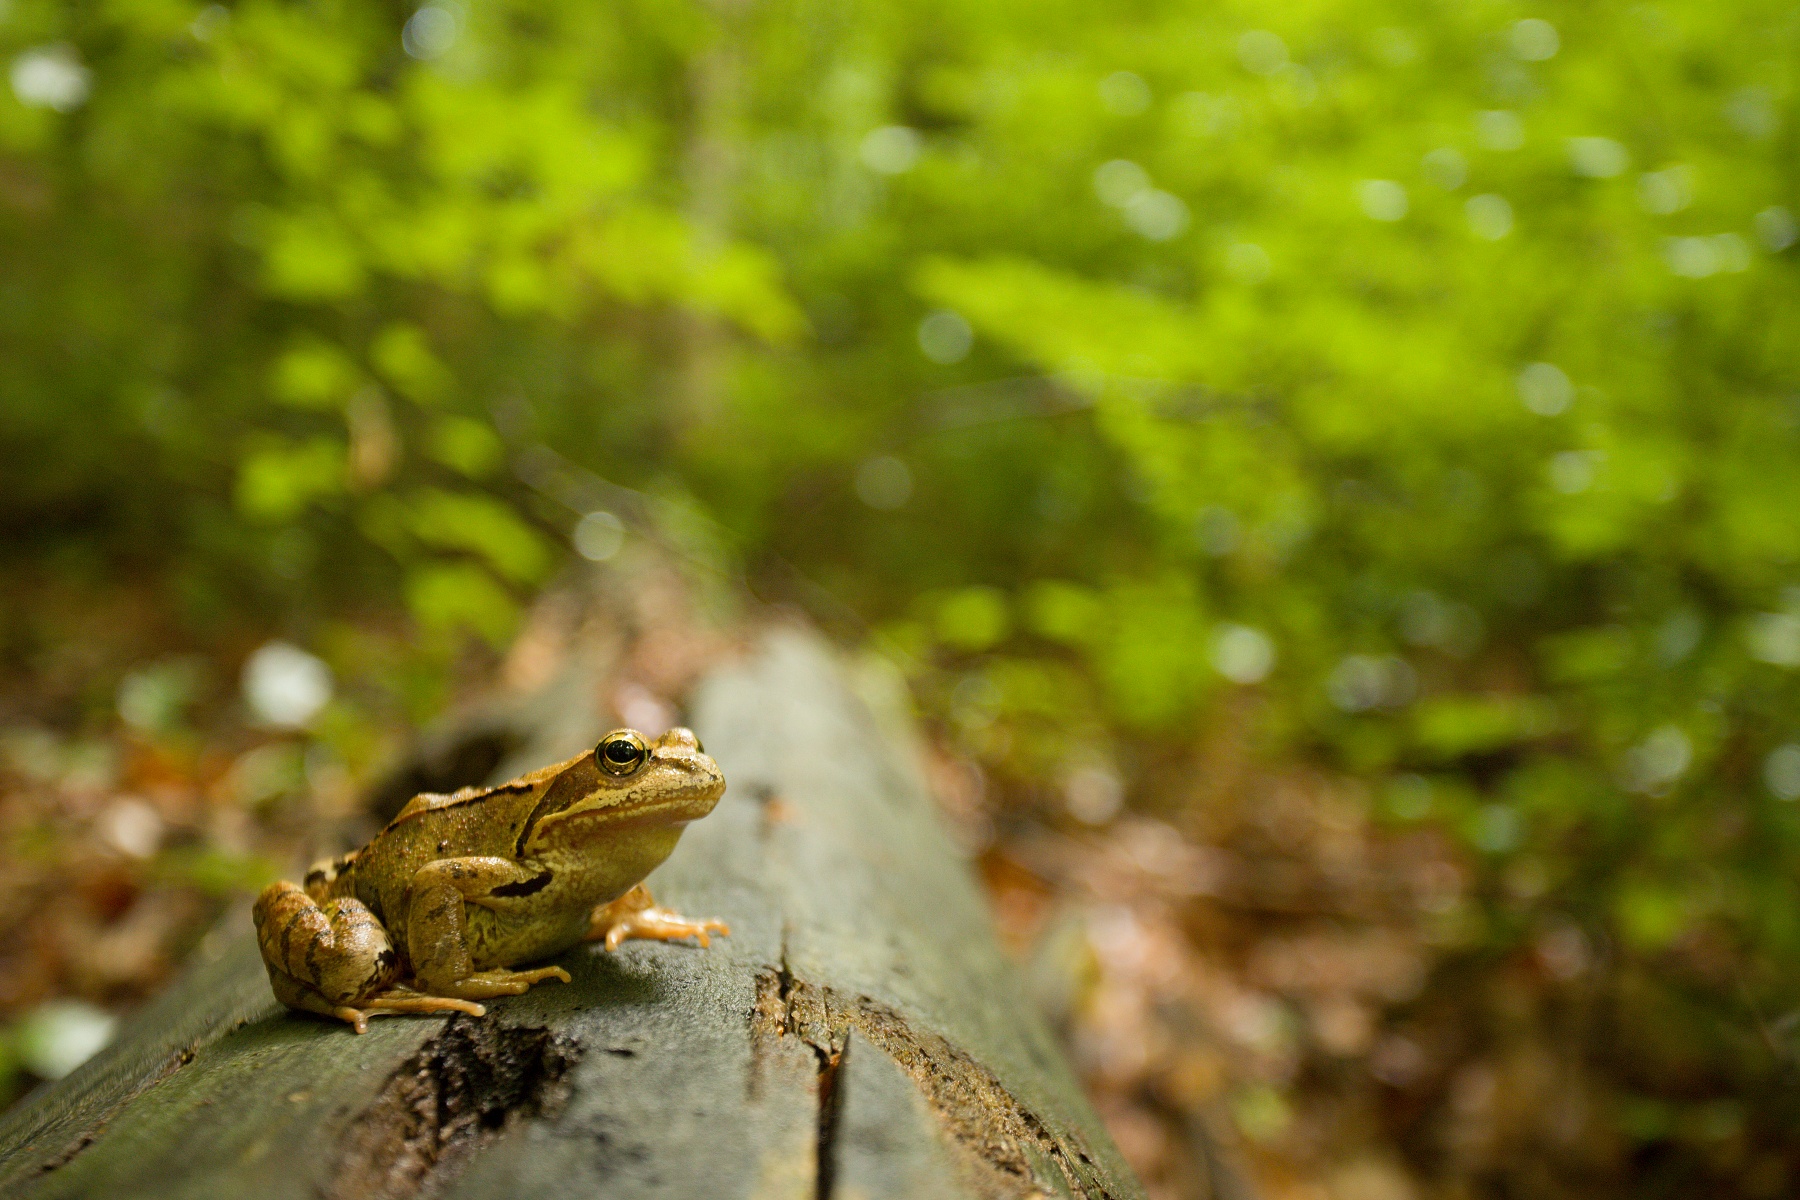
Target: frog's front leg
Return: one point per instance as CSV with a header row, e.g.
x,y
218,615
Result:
x,y
333,958
637,915
437,926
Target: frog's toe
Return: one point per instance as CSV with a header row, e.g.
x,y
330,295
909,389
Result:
x,y
475,988
539,974
659,924
418,1002
499,982
357,1019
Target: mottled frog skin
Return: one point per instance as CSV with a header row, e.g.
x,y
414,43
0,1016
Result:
x,y
431,915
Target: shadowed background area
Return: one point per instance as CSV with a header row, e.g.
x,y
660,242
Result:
x,y
1326,476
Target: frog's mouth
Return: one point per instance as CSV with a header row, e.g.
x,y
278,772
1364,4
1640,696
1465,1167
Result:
x,y
658,810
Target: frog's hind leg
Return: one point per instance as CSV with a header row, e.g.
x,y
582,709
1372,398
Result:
x,y
637,915
333,958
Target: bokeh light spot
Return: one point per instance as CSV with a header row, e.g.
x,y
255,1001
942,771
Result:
x,y
1446,168
1776,228
50,77
1156,214
598,536
1363,682
884,483
1499,129
1093,794
1774,638
944,337
1699,257
1243,653
1489,216
1666,191
1496,828
1117,181
1382,199
1262,52
286,686
1534,39
1545,389
1751,112
1572,471
1781,771
430,32
1124,94
891,149
1658,761
60,1035
1598,157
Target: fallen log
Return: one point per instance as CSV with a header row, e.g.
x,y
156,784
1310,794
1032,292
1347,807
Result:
x,y
857,1036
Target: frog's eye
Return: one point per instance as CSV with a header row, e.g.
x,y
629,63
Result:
x,y
621,752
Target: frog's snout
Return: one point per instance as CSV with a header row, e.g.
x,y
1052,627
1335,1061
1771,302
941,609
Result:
x,y
681,747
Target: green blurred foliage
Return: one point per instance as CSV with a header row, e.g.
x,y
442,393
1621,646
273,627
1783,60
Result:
x,y
1428,370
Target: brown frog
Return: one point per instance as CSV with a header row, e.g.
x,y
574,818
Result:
x,y
431,915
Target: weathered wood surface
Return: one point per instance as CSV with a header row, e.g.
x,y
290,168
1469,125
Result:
x,y
858,1035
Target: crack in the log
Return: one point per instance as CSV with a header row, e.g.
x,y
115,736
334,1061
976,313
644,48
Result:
x,y
463,1088
825,1174
774,1016
971,1105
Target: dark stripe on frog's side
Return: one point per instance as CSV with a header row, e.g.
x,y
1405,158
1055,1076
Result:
x,y
504,789
579,781
287,929
523,887
385,966
287,933
313,946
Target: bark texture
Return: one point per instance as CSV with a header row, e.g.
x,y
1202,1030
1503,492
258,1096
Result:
x,y
858,1035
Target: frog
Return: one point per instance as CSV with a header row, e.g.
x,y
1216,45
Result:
x,y
433,914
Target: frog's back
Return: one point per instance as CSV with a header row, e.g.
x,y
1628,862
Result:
x,y
474,821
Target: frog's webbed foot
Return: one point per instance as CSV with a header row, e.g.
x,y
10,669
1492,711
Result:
x,y
483,985
637,915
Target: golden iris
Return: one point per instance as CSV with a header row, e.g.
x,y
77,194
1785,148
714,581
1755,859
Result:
x,y
621,752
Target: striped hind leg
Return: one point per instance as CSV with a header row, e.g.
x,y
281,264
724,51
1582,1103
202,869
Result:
x,y
334,958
